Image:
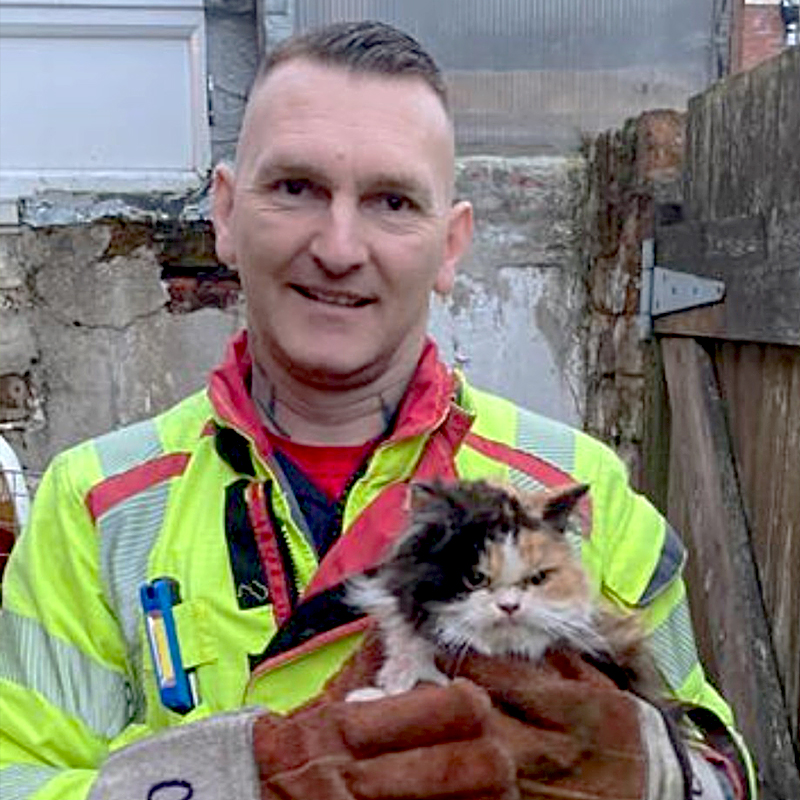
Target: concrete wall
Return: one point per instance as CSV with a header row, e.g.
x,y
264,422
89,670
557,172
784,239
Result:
x,y
108,321
93,345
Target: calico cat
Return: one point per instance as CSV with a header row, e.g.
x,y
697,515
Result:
x,y
484,567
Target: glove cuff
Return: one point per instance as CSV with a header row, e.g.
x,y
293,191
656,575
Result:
x,y
212,759
668,775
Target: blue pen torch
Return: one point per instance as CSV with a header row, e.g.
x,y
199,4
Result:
x,y
177,687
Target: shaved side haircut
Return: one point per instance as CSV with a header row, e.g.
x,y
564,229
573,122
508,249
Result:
x,y
370,47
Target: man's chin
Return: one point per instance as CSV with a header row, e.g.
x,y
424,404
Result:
x,y
334,373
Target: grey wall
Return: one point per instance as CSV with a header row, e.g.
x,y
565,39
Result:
x,y
515,320
534,76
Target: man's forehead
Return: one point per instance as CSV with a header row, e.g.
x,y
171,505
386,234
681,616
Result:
x,y
298,87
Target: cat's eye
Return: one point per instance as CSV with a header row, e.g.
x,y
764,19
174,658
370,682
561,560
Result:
x,y
540,576
476,579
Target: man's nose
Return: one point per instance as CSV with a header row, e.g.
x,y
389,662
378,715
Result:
x,y
338,244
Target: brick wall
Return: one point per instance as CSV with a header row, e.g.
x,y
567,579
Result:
x,y
762,34
634,175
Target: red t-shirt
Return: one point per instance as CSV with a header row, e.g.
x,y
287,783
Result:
x,y
328,467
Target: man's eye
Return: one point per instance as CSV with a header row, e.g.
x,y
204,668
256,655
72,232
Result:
x,y
293,186
396,202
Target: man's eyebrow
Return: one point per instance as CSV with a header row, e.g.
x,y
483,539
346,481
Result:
x,y
271,168
402,183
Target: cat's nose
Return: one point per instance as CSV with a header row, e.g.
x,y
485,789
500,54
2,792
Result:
x,y
508,606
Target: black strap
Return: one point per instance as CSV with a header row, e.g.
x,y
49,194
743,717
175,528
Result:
x,y
319,614
249,580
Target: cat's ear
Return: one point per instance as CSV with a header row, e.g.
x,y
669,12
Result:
x,y
560,503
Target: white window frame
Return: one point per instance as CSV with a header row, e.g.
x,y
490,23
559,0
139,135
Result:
x,y
113,19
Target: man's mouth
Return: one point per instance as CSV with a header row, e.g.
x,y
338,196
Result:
x,y
333,298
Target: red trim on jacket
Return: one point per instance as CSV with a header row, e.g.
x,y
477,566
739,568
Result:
x,y
541,471
332,635
229,393
114,490
269,551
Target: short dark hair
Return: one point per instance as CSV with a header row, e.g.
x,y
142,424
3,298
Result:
x,y
368,46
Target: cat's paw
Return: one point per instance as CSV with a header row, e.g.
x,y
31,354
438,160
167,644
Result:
x,y
397,681
364,694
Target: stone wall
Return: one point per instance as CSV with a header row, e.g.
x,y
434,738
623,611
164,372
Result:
x,y
89,339
634,174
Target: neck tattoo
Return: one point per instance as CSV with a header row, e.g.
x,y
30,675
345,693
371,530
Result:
x,y
269,410
269,407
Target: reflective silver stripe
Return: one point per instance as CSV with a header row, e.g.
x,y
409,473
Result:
x,y
127,533
120,450
523,481
673,646
63,675
554,443
673,554
22,781
547,439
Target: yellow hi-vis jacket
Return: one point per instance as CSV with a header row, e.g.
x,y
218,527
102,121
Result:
x,y
195,495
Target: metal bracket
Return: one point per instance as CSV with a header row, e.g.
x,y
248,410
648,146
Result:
x,y
664,291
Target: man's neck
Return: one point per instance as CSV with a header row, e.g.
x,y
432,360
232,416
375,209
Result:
x,y
314,416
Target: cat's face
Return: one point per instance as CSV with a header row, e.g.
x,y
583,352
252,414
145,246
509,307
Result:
x,y
525,593
490,569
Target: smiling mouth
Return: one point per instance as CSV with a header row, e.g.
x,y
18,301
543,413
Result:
x,y
342,299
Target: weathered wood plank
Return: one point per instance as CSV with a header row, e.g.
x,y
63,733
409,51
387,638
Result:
x,y
787,157
704,501
785,549
738,131
740,368
761,388
760,265
776,502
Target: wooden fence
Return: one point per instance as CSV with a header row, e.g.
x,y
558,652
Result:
x,y
731,378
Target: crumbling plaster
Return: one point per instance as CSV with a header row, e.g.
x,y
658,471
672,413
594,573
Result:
x,y
515,319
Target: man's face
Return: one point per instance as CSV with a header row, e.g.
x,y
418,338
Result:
x,y
339,219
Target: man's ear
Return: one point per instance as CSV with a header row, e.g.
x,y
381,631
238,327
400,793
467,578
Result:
x,y
222,211
459,236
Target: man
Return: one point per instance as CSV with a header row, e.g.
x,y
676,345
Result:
x,y
258,497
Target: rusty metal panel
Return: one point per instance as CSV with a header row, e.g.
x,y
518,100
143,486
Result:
x,y
532,76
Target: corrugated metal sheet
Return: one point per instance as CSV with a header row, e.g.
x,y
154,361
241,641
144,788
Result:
x,y
533,75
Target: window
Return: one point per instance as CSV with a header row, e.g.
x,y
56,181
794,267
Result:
x,y
101,95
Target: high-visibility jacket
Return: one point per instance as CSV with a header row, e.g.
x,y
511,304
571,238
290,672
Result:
x,y
194,494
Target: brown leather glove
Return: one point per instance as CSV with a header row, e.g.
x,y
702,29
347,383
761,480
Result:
x,y
573,734
432,742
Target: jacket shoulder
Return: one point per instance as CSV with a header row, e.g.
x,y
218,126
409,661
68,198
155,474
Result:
x,y
173,432
566,447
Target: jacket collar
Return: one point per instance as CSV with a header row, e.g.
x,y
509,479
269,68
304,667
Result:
x,y
425,405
